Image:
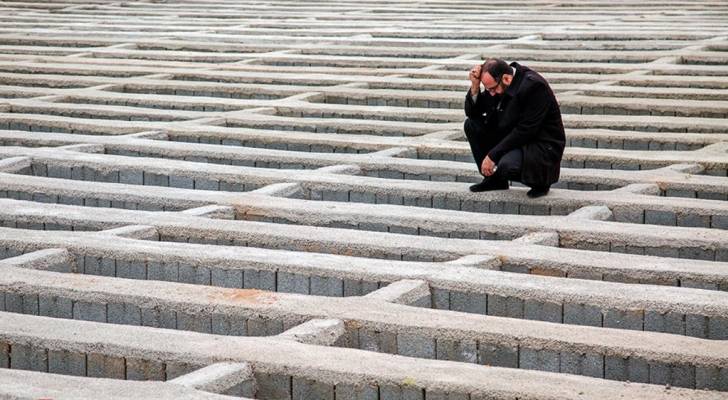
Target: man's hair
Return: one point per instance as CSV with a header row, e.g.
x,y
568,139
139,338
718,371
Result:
x,y
496,68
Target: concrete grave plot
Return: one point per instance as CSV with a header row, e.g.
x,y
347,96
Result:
x,y
269,200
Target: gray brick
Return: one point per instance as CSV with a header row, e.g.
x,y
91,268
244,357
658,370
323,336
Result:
x,y
440,299
14,302
77,201
232,186
59,171
698,284
305,389
719,221
149,206
152,179
593,365
542,360
383,342
696,325
692,220
362,197
245,389
543,311
365,226
269,327
582,364
615,368
352,288
175,370
163,271
670,322
638,370
4,355
697,253
125,314
660,217
390,392
107,176
505,306
101,366
131,269
438,395
28,358
327,286
662,252
330,195
66,363
56,307
107,267
718,328
30,304
194,274
229,325
711,378
465,234
293,283
206,184
413,345
452,203
534,209
682,375
581,314
659,374
264,280
624,319
626,214
455,350
159,318
230,278
194,322
498,355
356,392
89,311
131,177
368,287
273,386
403,230
181,182
144,370
469,302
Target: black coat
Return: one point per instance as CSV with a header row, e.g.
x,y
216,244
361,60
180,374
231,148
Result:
x,y
527,115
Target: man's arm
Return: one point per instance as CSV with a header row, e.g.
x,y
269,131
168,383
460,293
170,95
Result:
x,y
473,99
472,106
537,103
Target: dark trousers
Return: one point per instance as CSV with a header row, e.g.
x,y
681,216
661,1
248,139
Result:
x,y
482,142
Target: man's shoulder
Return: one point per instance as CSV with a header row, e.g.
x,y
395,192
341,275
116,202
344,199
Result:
x,y
533,77
532,81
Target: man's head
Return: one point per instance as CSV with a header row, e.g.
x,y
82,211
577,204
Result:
x,y
496,75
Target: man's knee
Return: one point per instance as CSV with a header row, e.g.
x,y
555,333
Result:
x,y
510,165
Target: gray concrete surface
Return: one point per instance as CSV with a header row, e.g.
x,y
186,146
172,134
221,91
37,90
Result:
x,y
315,367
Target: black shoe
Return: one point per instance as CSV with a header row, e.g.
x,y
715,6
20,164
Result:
x,y
489,184
537,192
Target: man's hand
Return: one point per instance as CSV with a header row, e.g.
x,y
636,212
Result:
x,y
488,167
474,77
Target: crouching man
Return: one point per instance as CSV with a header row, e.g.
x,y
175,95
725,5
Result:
x,y
514,127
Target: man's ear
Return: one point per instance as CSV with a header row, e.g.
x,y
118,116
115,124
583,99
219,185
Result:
x,y
507,79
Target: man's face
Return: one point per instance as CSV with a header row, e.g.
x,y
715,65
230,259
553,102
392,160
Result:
x,y
495,86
